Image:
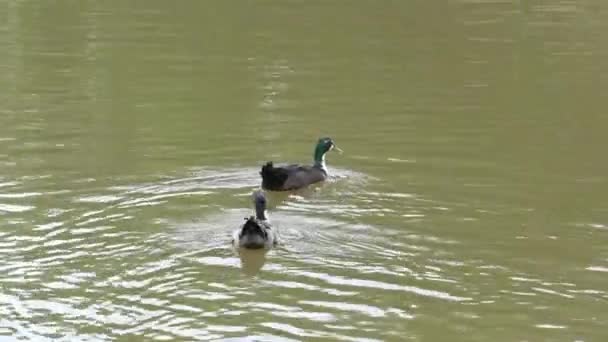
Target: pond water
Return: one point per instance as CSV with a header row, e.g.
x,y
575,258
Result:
x,y
469,205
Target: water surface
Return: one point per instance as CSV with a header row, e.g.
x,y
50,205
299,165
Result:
x,y
469,205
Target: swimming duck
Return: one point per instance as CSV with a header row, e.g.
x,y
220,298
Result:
x,y
295,176
256,233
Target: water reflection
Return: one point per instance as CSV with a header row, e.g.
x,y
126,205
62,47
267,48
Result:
x,y
252,261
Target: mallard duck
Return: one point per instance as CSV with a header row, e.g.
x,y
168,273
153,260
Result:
x,y
256,233
295,176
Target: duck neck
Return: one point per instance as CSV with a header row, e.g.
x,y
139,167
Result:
x,y
260,211
320,158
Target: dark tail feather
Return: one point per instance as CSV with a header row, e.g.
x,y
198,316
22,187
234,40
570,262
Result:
x,y
252,227
273,178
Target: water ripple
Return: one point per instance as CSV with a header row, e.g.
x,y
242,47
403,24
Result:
x,y
337,280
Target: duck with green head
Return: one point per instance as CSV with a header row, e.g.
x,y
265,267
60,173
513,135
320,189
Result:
x,y
296,176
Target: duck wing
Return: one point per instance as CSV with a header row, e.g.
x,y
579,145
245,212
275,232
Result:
x,y
290,177
301,176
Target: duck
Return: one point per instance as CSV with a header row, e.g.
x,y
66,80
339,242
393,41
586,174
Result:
x,y
296,176
256,232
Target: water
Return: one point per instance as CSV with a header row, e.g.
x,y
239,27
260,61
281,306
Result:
x,y
469,205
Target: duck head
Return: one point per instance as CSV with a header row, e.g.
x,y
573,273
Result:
x,y
260,204
324,145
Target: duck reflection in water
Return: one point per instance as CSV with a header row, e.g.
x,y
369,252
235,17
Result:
x,y
252,260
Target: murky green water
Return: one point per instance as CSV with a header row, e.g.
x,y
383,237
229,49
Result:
x,y
470,204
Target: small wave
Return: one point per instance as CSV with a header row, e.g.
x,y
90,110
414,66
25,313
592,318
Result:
x,y
20,195
338,280
15,208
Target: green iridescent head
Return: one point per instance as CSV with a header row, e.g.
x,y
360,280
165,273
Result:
x,y
324,145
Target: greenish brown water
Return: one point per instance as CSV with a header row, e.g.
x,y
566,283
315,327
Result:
x,y
470,204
